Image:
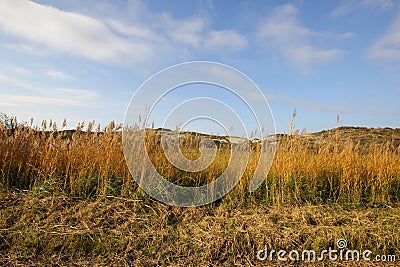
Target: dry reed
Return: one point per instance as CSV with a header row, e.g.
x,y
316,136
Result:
x,y
91,164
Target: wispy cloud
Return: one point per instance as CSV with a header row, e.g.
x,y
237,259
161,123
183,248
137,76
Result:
x,y
24,48
387,47
69,32
13,82
348,6
57,96
134,30
19,70
347,35
195,33
111,40
286,99
35,95
283,31
225,39
58,75
188,32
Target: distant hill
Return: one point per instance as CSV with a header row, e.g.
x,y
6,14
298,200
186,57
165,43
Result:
x,y
358,135
363,135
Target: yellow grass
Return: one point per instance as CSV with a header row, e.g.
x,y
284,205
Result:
x,y
67,198
91,164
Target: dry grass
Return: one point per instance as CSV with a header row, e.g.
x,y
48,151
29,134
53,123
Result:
x,y
58,230
67,198
343,172
92,164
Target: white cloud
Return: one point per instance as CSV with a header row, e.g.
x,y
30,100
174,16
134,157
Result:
x,y
286,99
284,32
225,39
136,31
58,96
388,46
111,39
349,6
24,48
19,70
13,82
348,35
69,32
188,32
58,75
194,33
77,93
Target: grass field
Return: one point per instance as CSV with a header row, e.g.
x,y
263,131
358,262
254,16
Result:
x,y
67,198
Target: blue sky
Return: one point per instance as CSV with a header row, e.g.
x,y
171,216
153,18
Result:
x,y
83,60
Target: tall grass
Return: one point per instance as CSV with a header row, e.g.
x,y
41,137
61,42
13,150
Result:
x,y
88,163
334,172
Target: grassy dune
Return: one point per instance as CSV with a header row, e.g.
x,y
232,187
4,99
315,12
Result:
x,y
67,198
